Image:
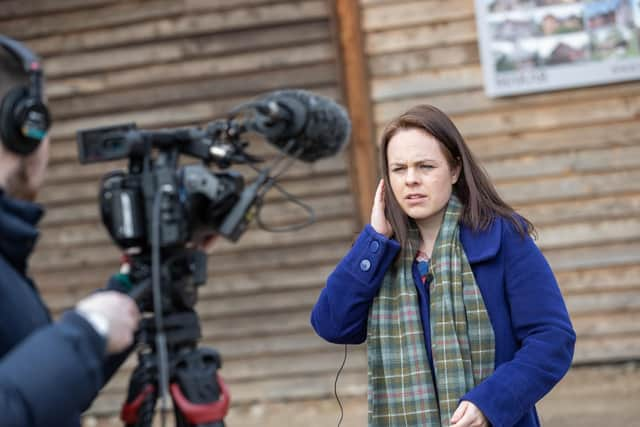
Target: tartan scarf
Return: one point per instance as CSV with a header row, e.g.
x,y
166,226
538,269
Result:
x,y
401,389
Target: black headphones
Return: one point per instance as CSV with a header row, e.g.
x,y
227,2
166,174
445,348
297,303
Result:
x,y
24,117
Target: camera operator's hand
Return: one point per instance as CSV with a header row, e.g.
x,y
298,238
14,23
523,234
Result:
x,y
114,315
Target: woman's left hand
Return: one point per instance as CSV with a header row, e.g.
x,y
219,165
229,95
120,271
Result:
x,y
468,415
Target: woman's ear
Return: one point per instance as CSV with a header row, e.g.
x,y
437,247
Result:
x,y
456,170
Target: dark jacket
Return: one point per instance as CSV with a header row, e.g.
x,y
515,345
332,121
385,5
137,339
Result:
x,y
534,336
49,372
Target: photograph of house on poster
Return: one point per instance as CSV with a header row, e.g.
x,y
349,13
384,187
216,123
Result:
x,y
540,45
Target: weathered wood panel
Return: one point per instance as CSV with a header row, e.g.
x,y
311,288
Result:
x,y
473,101
160,18
414,13
173,63
568,160
354,62
12,9
407,40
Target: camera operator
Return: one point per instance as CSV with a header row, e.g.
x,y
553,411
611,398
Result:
x,y
50,372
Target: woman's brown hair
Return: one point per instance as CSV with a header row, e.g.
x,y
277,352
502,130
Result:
x,y
481,201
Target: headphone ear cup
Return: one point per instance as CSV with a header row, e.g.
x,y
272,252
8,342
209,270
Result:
x,y
8,132
14,111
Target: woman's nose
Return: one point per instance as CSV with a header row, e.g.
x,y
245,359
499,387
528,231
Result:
x,y
412,176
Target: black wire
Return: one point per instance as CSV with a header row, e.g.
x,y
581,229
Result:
x,y
287,155
311,218
335,386
272,182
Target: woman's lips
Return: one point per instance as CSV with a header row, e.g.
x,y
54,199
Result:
x,y
415,198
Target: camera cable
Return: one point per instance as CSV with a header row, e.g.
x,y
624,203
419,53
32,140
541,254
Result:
x,y
335,386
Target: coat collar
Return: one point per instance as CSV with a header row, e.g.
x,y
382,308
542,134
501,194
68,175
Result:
x,y
18,229
481,245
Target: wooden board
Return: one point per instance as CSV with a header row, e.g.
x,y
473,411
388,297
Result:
x,y
568,160
166,63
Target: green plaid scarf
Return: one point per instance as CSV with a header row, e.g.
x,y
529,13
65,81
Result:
x,y
401,386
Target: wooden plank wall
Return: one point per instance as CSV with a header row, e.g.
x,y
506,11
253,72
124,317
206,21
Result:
x,y
569,160
173,63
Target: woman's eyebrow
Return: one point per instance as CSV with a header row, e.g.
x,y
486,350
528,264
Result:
x,y
420,160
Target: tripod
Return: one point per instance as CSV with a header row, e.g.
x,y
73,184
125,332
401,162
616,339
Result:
x,y
200,397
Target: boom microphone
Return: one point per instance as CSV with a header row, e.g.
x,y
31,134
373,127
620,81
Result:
x,y
301,124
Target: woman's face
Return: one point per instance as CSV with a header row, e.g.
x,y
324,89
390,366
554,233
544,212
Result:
x,y
420,176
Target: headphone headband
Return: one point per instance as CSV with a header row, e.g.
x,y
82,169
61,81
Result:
x,y
29,61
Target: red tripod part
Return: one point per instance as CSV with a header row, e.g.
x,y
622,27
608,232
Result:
x,y
197,413
129,412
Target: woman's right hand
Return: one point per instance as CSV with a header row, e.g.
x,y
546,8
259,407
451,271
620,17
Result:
x,y
379,221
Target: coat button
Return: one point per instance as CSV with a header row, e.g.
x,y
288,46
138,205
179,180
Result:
x,y
374,246
365,265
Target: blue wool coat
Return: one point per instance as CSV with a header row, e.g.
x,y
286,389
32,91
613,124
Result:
x,y
534,336
49,372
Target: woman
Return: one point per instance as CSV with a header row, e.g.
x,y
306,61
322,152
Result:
x,y
464,321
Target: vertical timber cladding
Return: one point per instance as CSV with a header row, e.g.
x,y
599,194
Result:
x,y
568,160
180,63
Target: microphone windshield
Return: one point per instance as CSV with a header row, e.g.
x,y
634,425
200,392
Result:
x,y
318,125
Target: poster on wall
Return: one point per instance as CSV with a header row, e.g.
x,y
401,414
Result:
x,y
531,46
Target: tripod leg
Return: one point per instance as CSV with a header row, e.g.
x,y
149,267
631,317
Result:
x,y
138,409
201,399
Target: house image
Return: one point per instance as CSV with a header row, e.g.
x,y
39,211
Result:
x,y
605,13
511,29
553,25
564,53
505,5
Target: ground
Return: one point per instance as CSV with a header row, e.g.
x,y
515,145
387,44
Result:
x,y
589,396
